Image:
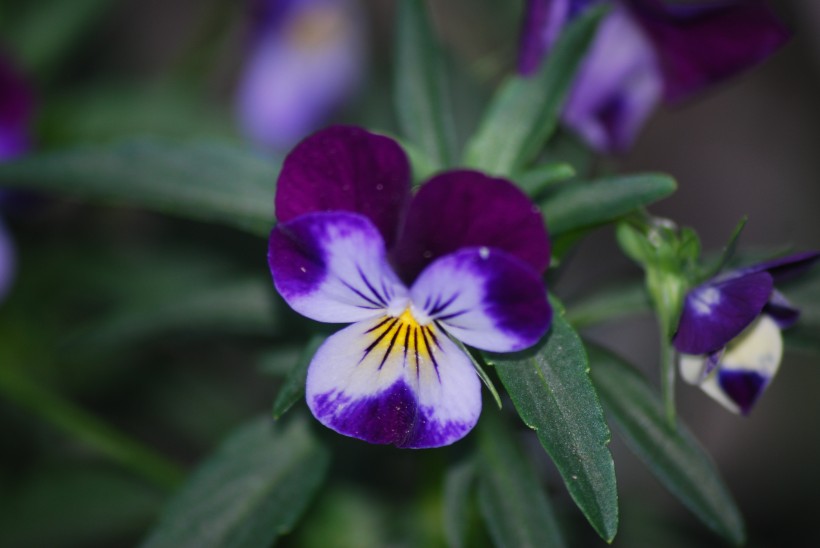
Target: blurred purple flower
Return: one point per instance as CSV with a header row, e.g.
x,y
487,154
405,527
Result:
x,y
646,50
306,58
16,109
411,275
729,330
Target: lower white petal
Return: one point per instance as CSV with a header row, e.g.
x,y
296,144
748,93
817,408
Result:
x,y
391,380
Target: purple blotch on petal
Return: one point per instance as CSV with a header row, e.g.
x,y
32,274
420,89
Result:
x,y
781,310
463,208
393,416
296,259
719,310
701,44
742,387
345,168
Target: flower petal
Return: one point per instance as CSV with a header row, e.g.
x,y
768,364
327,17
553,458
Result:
x,y
617,88
16,110
701,44
747,367
306,59
717,311
786,268
391,381
484,297
470,209
345,168
781,310
331,267
543,21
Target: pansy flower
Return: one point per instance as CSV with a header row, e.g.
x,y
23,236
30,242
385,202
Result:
x,y
729,331
645,51
16,109
306,58
461,260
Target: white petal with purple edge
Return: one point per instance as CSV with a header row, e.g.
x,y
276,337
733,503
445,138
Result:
x,y
391,380
750,362
331,267
484,297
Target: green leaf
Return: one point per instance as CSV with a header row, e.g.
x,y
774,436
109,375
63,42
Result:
x,y
537,180
82,506
611,303
512,501
104,112
673,455
458,489
421,93
244,306
254,488
728,250
44,32
524,112
551,389
588,204
204,181
294,387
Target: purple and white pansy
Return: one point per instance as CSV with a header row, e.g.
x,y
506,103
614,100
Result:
x,y
306,58
729,331
461,260
647,51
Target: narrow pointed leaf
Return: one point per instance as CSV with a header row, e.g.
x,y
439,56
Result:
x,y
551,389
537,180
672,455
515,508
584,205
242,306
254,488
524,112
294,387
422,103
609,304
203,181
459,486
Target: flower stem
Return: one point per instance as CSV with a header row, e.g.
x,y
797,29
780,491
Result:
x,y
668,377
89,429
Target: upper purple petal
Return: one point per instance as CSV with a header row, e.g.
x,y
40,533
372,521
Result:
x,y
785,268
717,311
306,58
617,88
16,110
345,168
465,208
700,44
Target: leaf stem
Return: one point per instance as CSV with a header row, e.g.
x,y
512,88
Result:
x,y
97,434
